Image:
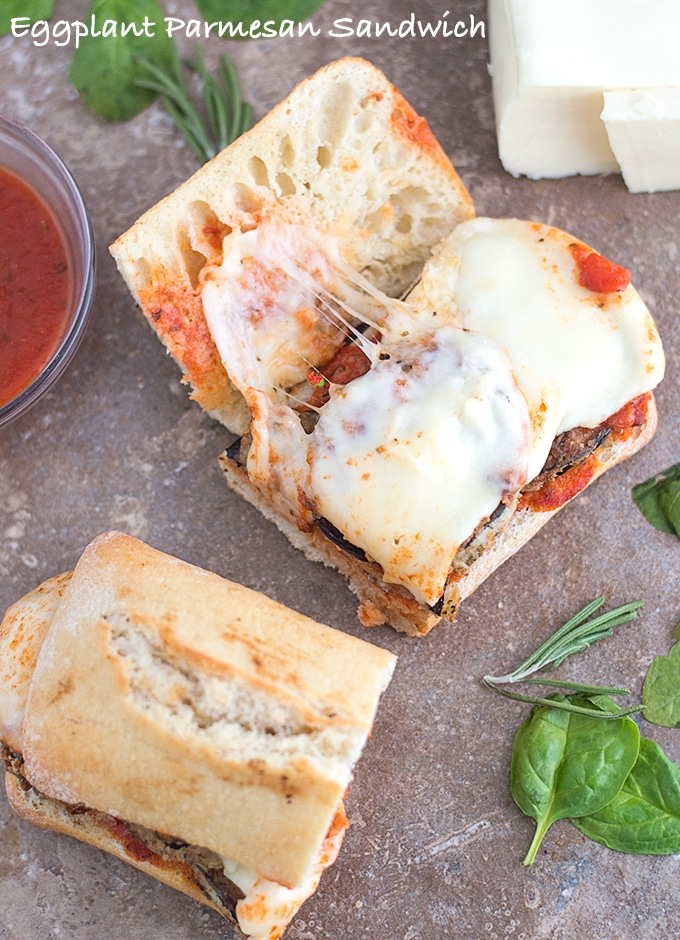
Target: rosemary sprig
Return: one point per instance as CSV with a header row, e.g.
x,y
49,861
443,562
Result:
x,y
228,116
574,636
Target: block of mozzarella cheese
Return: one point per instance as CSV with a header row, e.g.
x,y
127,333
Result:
x,y
643,127
552,62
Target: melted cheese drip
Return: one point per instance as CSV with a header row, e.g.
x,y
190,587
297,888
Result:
x,y
578,356
260,311
407,459
268,907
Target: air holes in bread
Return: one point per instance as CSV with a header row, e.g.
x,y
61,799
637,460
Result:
x,y
193,261
285,184
143,273
334,115
259,171
247,200
324,157
287,152
206,231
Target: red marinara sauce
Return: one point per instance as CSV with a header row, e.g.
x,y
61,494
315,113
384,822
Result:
x,y
35,284
598,273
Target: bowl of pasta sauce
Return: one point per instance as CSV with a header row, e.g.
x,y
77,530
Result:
x,y
47,268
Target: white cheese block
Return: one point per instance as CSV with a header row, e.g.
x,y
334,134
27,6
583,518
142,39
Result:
x,y
551,63
643,127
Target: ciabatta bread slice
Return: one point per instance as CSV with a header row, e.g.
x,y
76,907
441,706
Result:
x,y
381,602
428,448
24,628
260,909
188,724
345,153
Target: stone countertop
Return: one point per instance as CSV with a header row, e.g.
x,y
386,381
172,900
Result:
x,y
436,844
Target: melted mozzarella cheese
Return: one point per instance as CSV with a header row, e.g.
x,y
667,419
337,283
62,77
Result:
x,y
276,461
263,314
281,300
578,356
497,351
407,459
268,906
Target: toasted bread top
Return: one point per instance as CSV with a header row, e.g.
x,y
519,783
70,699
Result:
x,y
175,699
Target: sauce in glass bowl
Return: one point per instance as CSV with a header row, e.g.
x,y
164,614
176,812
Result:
x,y
35,285
47,268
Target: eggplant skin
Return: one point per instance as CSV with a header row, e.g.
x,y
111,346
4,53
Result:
x,y
237,451
335,535
573,447
568,449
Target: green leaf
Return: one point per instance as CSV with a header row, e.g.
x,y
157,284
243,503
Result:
x,y
661,689
658,499
105,69
669,503
644,817
35,10
568,765
246,12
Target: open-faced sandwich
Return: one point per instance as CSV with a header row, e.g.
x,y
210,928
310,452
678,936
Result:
x,y
186,724
415,391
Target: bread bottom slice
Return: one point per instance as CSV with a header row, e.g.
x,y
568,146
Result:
x,y
381,602
261,912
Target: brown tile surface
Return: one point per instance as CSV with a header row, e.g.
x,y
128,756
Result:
x,y
436,846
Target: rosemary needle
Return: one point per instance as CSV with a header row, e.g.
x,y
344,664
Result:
x,y
574,636
228,116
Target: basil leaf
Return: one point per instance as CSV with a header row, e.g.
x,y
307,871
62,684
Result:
x,y
36,10
246,12
644,817
658,499
568,765
661,689
105,69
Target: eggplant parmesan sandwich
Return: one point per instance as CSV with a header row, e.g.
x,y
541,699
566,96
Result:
x,y
415,391
186,724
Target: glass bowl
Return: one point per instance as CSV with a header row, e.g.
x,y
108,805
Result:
x,y
28,157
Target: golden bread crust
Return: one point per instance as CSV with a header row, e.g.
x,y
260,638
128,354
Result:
x,y
22,631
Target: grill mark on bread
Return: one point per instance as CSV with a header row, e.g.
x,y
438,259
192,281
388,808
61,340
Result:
x,y
195,870
65,687
169,781
225,710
